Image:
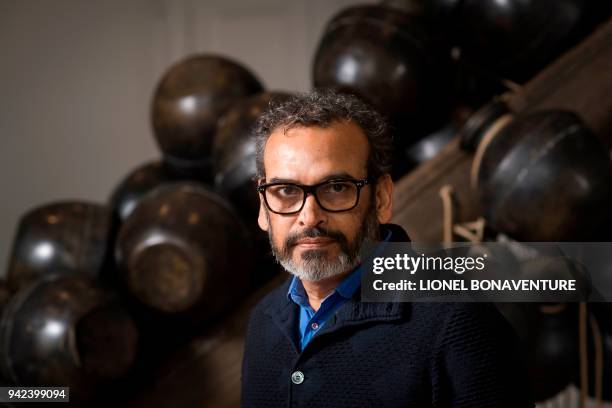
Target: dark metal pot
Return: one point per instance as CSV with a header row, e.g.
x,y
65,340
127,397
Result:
x,y
184,252
68,237
189,100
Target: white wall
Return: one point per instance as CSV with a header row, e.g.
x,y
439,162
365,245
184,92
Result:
x,y
76,78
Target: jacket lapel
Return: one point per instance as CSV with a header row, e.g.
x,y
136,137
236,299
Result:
x,y
285,315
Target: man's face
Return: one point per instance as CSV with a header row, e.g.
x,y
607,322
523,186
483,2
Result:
x,y
315,244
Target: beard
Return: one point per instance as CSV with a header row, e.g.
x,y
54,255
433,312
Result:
x,y
315,265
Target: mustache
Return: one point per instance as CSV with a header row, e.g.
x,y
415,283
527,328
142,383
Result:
x,y
315,233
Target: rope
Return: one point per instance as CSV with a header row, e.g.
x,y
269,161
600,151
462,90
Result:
x,y
491,132
513,86
584,371
598,361
472,231
446,194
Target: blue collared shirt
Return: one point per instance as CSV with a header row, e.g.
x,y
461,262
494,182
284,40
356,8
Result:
x,y
310,321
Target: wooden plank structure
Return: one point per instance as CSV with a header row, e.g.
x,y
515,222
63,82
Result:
x,y
207,371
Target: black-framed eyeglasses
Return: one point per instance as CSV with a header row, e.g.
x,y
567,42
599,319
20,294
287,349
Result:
x,y
334,195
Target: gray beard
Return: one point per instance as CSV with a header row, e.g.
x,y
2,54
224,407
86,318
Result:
x,y
315,266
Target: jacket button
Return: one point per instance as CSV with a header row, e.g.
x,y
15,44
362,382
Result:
x,y
297,377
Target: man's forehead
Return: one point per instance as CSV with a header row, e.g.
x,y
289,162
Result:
x,y
312,152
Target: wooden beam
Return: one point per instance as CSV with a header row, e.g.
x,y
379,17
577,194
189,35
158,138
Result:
x,y
580,81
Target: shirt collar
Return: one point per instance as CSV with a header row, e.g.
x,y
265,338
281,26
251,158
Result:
x,y
297,293
346,288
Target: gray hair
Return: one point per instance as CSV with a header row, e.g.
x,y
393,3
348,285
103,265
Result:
x,y
321,108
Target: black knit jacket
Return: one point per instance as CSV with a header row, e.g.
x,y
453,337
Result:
x,y
383,355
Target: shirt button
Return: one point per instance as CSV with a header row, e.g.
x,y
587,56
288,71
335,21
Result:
x,y
297,377
314,326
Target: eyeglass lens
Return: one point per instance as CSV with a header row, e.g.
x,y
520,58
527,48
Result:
x,y
333,196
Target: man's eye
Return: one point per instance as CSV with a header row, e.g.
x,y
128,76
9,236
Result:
x,y
287,191
337,187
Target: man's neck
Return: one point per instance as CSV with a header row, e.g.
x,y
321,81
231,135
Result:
x,y
319,290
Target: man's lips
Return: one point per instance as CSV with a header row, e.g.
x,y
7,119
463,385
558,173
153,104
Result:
x,y
314,242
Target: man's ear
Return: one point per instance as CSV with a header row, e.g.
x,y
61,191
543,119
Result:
x,y
384,199
262,219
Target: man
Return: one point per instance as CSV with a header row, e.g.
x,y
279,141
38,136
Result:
x,y
323,163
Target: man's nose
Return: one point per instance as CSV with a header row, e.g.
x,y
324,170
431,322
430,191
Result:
x,y
312,214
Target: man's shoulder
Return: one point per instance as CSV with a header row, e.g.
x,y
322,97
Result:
x,y
274,299
455,319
